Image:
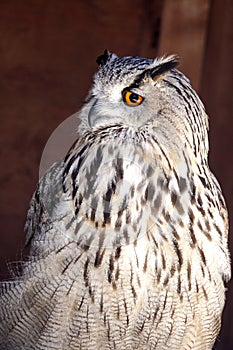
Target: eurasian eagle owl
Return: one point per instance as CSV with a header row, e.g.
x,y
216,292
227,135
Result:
x,y
128,233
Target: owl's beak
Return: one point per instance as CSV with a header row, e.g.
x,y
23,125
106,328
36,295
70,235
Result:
x,y
98,115
92,115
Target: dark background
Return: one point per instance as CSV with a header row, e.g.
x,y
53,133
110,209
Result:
x,y
47,59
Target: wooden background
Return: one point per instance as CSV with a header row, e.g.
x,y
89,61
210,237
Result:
x,y
47,59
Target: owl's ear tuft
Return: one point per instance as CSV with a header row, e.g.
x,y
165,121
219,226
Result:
x,y
168,63
102,59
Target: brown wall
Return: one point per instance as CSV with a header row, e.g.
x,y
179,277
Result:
x,y
47,58
217,93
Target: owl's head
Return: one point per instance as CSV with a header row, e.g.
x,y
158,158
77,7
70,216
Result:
x,y
142,93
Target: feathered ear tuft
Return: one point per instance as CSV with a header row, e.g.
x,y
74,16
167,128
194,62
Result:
x,y
102,59
168,63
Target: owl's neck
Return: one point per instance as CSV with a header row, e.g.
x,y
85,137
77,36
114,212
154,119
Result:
x,y
118,183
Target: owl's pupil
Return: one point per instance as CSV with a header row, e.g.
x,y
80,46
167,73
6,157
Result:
x,y
133,98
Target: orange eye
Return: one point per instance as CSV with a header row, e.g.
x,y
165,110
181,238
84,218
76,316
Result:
x,y
131,98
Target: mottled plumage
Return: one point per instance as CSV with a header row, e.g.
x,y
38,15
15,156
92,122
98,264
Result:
x,y
128,233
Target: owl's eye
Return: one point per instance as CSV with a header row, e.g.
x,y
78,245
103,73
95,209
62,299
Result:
x,y
131,98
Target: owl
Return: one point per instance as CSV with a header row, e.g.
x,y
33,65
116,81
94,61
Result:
x,y
127,233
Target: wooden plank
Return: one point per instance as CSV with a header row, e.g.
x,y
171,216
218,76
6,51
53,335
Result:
x,y
183,31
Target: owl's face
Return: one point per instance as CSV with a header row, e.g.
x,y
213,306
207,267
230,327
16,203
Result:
x,y
141,93
123,91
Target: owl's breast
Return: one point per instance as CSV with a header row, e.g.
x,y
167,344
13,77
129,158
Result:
x,y
114,186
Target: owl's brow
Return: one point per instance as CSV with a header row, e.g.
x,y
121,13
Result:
x,y
155,72
164,67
